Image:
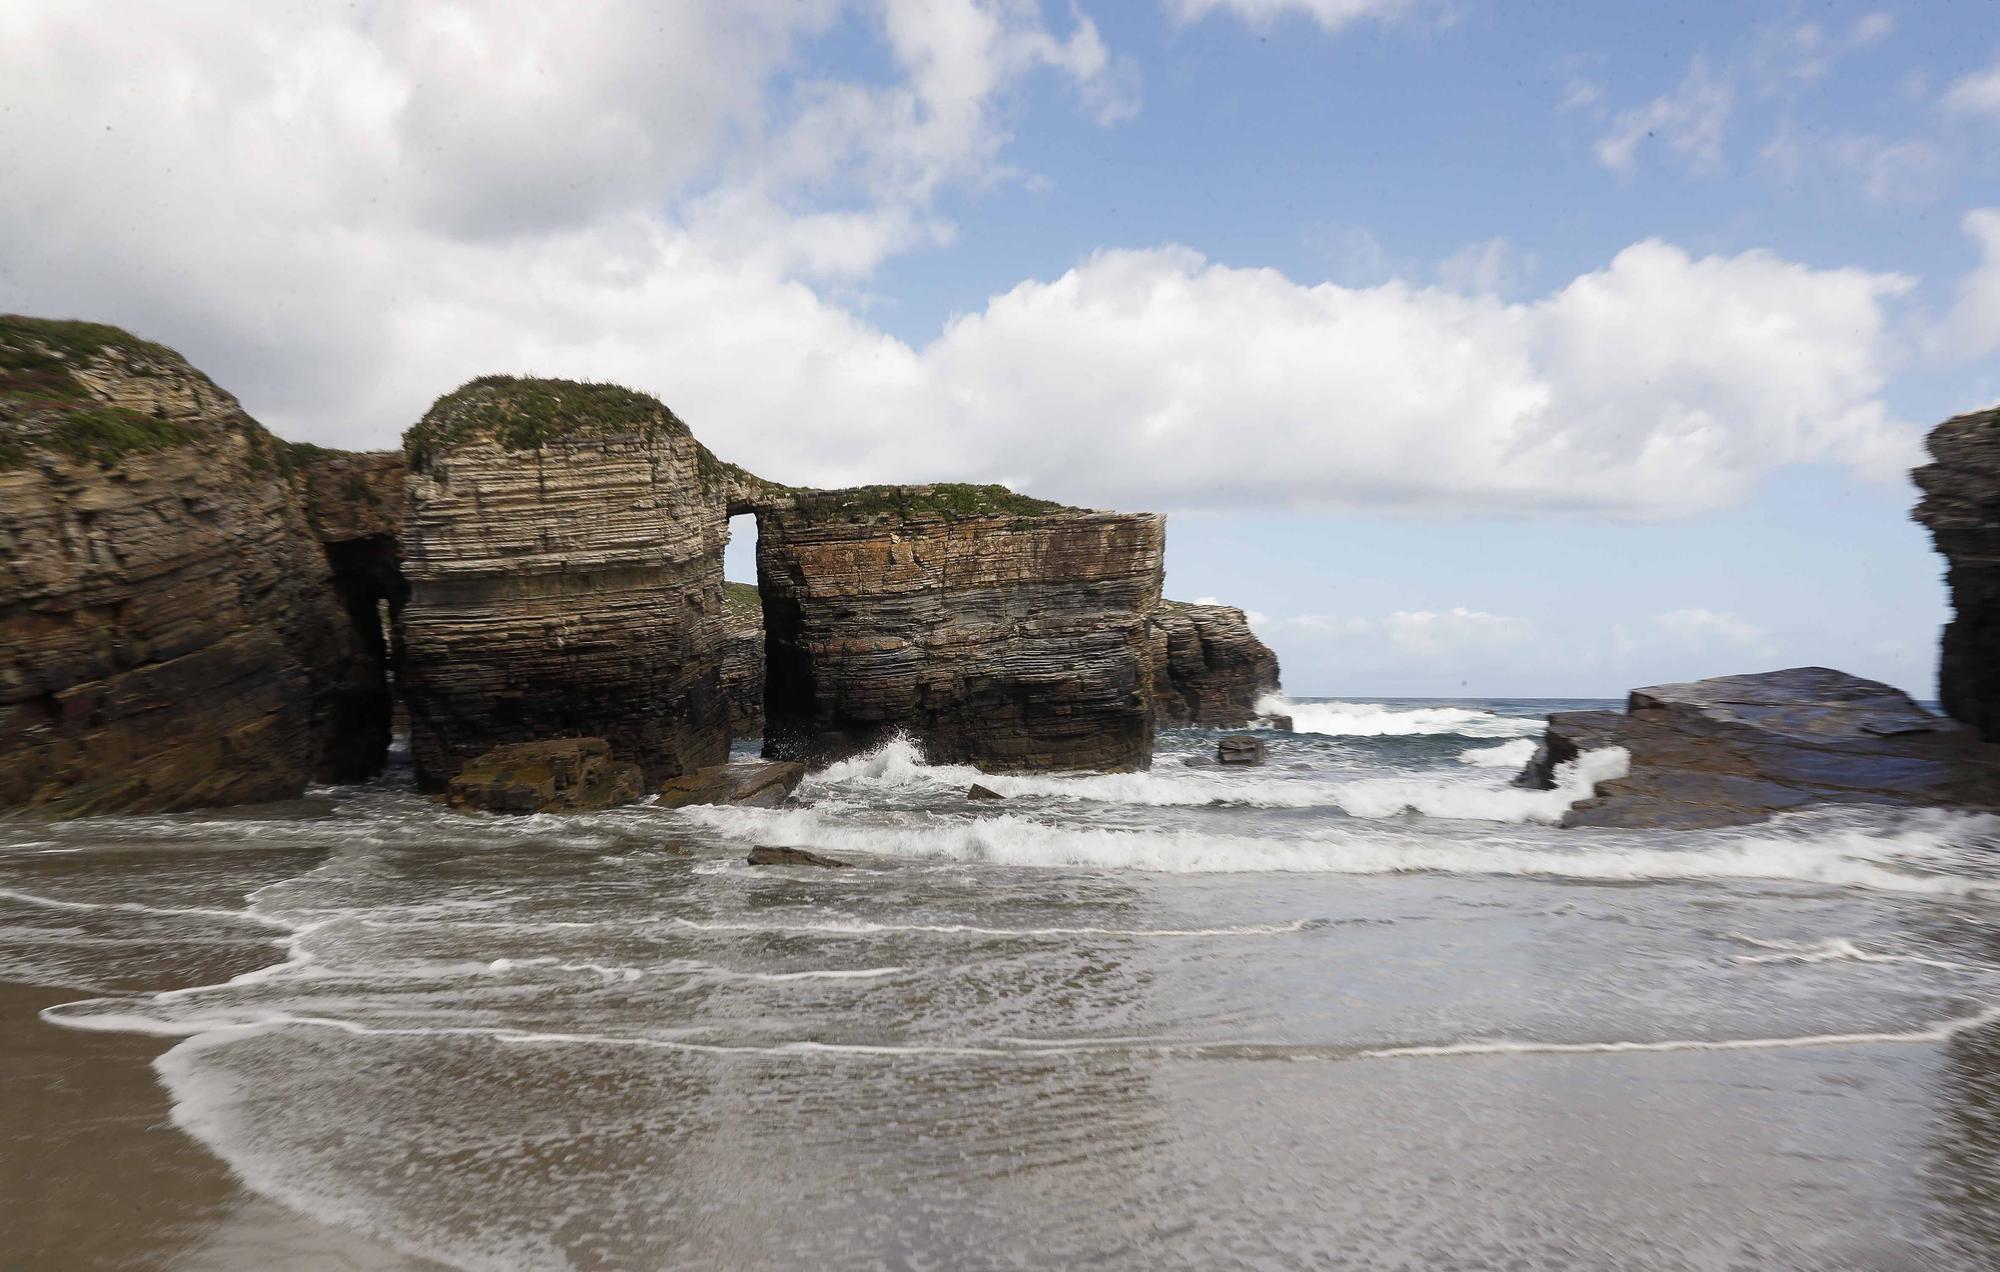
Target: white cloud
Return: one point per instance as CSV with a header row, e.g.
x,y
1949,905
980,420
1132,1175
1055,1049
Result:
x,y
1329,14
342,213
1884,170
1698,628
1973,326
1689,121
1975,94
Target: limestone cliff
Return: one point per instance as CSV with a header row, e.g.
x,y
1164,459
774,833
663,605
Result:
x,y
995,629
563,547
1208,666
1737,749
743,659
168,634
1961,507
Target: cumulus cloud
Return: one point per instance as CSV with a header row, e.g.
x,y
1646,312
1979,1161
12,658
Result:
x,y
342,212
1976,94
1973,326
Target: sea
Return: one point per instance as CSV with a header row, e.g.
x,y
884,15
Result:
x,y
1365,1006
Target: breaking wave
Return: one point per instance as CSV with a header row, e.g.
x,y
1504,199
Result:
x,y
1372,720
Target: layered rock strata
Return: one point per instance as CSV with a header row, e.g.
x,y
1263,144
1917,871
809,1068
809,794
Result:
x,y
994,629
169,634
743,659
1209,668
1737,749
1961,508
562,775
563,547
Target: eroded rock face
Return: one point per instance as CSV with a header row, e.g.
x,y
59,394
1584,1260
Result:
x,y
1209,668
743,659
1961,507
169,635
996,630
563,545
559,775
1737,749
762,784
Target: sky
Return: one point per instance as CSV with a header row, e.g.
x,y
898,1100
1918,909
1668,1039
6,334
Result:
x,y
1474,348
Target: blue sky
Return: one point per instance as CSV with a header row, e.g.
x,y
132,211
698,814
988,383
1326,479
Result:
x,y
1475,348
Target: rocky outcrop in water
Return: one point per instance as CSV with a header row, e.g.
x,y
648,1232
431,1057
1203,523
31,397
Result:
x,y
1737,749
1209,668
561,775
169,634
997,630
743,659
1961,508
563,546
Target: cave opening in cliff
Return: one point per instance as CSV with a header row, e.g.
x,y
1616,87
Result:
x,y
361,716
743,630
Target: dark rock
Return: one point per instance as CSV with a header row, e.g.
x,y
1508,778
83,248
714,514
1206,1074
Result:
x,y
170,636
743,659
994,629
759,784
766,855
1961,507
983,792
1209,668
1240,750
559,775
1736,749
1277,722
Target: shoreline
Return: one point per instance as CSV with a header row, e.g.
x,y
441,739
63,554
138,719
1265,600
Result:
x,y
98,1175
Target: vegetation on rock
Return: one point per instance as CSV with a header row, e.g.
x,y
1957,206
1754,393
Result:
x,y
525,414
951,501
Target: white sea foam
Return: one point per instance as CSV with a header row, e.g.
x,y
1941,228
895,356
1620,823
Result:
x,y
1372,720
1839,949
1508,755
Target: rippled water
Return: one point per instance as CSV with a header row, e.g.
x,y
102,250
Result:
x,y
1360,1007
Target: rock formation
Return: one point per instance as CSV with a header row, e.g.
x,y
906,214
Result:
x,y
563,546
169,635
562,775
995,629
758,784
1737,749
1209,668
1240,750
1961,507
743,659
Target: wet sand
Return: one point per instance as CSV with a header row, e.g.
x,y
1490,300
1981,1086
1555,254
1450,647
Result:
x,y
95,1174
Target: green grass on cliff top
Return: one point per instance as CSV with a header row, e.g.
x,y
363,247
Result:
x,y
525,414
950,500
51,410
741,598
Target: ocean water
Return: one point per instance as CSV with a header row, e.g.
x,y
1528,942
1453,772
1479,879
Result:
x,y
1362,1007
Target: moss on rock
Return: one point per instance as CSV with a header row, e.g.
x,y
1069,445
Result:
x,y
952,501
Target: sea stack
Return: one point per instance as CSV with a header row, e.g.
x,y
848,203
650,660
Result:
x,y
171,635
1209,667
563,546
1961,508
993,628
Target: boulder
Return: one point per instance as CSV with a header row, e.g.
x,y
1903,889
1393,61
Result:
x,y
1240,750
1737,749
1209,668
766,855
558,775
992,628
983,792
1961,508
762,784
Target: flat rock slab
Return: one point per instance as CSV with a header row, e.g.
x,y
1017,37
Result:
x,y
1240,750
767,855
759,784
1738,749
559,775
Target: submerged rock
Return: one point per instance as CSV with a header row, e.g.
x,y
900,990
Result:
x,y
1961,508
983,792
767,855
994,629
1737,749
1209,668
760,784
558,775
1240,750
170,635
